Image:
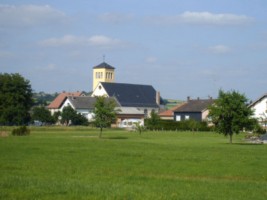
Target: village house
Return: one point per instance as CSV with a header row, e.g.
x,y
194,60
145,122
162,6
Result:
x,y
169,114
196,109
259,107
56,104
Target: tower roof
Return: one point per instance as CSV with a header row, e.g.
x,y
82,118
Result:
x,y
103,65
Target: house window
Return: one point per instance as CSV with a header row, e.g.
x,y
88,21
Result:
x,y
145,113
178,118
187,117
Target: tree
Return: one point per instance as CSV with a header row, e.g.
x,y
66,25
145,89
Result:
x,y
230,113
43,115
104,112
15,99
70,116
153,121
139,127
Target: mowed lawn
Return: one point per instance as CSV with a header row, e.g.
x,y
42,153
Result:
x,y
73,163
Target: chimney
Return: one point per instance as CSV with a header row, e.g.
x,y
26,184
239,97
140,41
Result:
x,y
158,98
188,98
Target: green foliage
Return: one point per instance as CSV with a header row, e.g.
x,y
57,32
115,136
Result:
x,y
43,115
21,131
153,121
70,117
15,99
230,113
139,127
104,112
43,99
186,125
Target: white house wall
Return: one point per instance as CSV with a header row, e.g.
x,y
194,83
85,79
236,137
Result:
x,y
260,108
99,91
65,104
86,113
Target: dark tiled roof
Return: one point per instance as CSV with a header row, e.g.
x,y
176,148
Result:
x,y
195,105
85,102
82,102
57,102
132,95
104,65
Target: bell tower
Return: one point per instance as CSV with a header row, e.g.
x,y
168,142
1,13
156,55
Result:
x,y
103,73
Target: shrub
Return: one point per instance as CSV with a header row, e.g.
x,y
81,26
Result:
x,y
187,125
21,131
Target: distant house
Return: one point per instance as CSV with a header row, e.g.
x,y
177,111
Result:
x,y
56,104
193,109
83,105
260,109
169,114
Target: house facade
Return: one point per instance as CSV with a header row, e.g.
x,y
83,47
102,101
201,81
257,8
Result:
x,y
83,105
169,114
196,109
56,104
260,109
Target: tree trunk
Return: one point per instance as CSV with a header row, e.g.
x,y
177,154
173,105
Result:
x,y
231,138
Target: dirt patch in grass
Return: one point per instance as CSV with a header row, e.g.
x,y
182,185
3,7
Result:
x,y
4,134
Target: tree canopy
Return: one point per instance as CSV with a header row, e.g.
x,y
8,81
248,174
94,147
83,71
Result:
x,y
15,99
230,113
70,117
43,115
104,112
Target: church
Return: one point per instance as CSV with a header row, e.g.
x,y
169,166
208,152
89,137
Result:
x,y
135,102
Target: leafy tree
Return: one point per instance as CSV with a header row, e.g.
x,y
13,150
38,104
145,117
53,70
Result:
x,y
43,115
67,115
70,116
56,116
153,121
104,112
230,113
15,99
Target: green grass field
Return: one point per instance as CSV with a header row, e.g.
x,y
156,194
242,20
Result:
x,y
73,163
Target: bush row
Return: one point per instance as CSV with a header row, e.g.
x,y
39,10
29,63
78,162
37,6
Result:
x,y
187,125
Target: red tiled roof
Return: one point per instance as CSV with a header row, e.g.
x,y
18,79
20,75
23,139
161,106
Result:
x,y
169,113
61,97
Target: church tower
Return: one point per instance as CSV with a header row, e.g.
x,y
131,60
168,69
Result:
x,y
103,73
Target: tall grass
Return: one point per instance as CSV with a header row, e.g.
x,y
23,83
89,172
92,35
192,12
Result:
x,y
75,164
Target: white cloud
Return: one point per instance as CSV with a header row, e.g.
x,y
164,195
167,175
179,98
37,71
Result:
x,y
70,40
202,18
115,18
29,15
214,19
220,49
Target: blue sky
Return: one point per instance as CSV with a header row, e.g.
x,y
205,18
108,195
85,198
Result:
x,y
181,47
